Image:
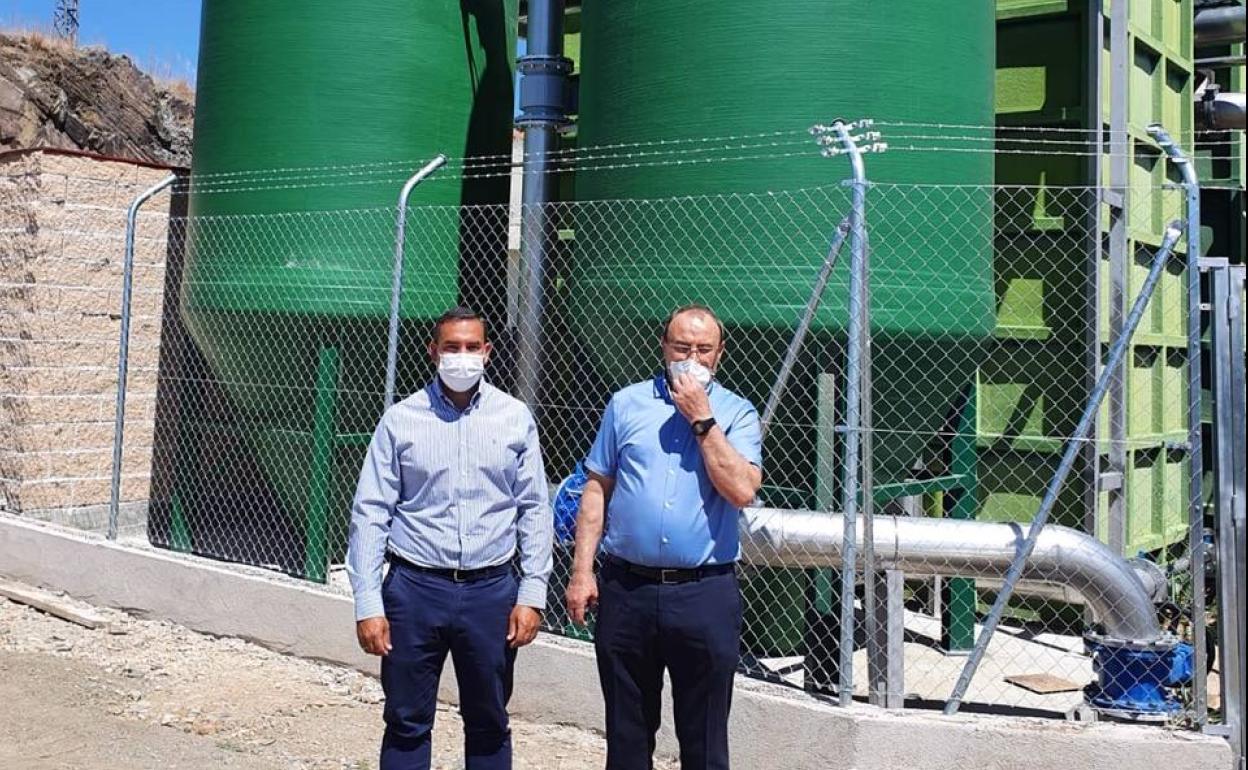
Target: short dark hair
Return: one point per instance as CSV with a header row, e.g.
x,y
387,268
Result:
x,y
458,313
693,307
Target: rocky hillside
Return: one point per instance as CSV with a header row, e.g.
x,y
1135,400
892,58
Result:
x,y
55,95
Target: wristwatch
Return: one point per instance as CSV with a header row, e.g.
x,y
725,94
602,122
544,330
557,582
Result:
x,y
702,427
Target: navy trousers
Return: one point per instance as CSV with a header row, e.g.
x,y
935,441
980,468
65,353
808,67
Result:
x,y
431,616
693,631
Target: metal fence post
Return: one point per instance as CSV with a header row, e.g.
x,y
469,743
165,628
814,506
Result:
x,y
844,141
1226,365
1069,454
1195,497
123,353
396,288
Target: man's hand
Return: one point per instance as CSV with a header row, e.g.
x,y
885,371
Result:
x,y
582,595
374,635
690,398
522,625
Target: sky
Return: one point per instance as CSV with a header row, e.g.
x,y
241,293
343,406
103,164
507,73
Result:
x,y
162,36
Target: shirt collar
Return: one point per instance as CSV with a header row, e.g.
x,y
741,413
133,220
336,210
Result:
x,y
438,395
660,391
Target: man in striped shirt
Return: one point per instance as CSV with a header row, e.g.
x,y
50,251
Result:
x,y
452,488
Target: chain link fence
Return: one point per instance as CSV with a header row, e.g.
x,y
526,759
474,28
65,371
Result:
x,y
258,365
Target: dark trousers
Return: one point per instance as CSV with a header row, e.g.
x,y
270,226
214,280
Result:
x,y
693,631
430,616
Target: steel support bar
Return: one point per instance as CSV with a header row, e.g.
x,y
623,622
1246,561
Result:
x,y
1195,454
320,475
1115,461
123,353
803,325
1116,353
1226,338
396,286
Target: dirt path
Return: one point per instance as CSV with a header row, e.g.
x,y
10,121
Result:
x,y
148,694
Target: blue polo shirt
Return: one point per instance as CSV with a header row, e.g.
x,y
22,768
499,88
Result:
x,y
663,511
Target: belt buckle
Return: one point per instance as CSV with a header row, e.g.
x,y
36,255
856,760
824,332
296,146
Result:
x,y
458,576
663,576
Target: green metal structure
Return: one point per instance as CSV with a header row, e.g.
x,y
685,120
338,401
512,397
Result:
x,y
286,286
1050,294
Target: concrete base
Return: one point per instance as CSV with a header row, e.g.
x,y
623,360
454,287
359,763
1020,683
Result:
x,y
773,728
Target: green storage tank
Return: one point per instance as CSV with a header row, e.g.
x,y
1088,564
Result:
x,y
287,282
690,70
684,70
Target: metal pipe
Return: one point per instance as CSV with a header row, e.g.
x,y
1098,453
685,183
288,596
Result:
x,y
803,326
1150,575
123,353
918,545
1214,26
543,105
396,286
1232,60
1195,453
853,407
1019,562
1224,112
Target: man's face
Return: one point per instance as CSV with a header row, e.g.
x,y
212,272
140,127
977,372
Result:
x,y
466,336
695,335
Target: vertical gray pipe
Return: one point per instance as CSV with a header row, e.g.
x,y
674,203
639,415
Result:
x,y
853,407
543,106
123,353
396,285
1015,571
1195,496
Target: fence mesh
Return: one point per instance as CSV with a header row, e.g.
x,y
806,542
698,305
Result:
x,y
257,371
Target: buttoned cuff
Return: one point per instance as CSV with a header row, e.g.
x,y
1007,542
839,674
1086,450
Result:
x,y
369,605
532,593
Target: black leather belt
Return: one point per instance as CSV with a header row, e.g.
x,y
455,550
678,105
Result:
x,y
455,575
672,575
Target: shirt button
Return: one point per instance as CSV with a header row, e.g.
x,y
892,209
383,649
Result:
x,y
664,541
668,504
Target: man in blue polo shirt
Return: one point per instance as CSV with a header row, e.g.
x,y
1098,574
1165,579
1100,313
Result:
x,y
675,460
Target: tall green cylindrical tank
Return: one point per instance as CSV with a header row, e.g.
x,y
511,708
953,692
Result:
x,y
714,232
287,283
685,70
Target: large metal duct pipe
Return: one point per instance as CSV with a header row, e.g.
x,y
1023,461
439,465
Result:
x,y
1215,26
1117,596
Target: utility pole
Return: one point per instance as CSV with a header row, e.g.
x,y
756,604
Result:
x,y
65,22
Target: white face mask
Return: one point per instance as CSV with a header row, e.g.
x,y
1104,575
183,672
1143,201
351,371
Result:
x,y
461,371
690,366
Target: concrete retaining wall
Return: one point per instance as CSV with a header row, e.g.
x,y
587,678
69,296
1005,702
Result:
x,y
773,728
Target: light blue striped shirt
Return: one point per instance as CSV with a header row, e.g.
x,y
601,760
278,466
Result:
x,y
454,490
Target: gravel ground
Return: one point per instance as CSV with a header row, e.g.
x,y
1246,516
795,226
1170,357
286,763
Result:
x,y
149,694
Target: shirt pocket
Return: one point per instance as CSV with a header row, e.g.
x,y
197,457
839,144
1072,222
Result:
x,y
497,462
